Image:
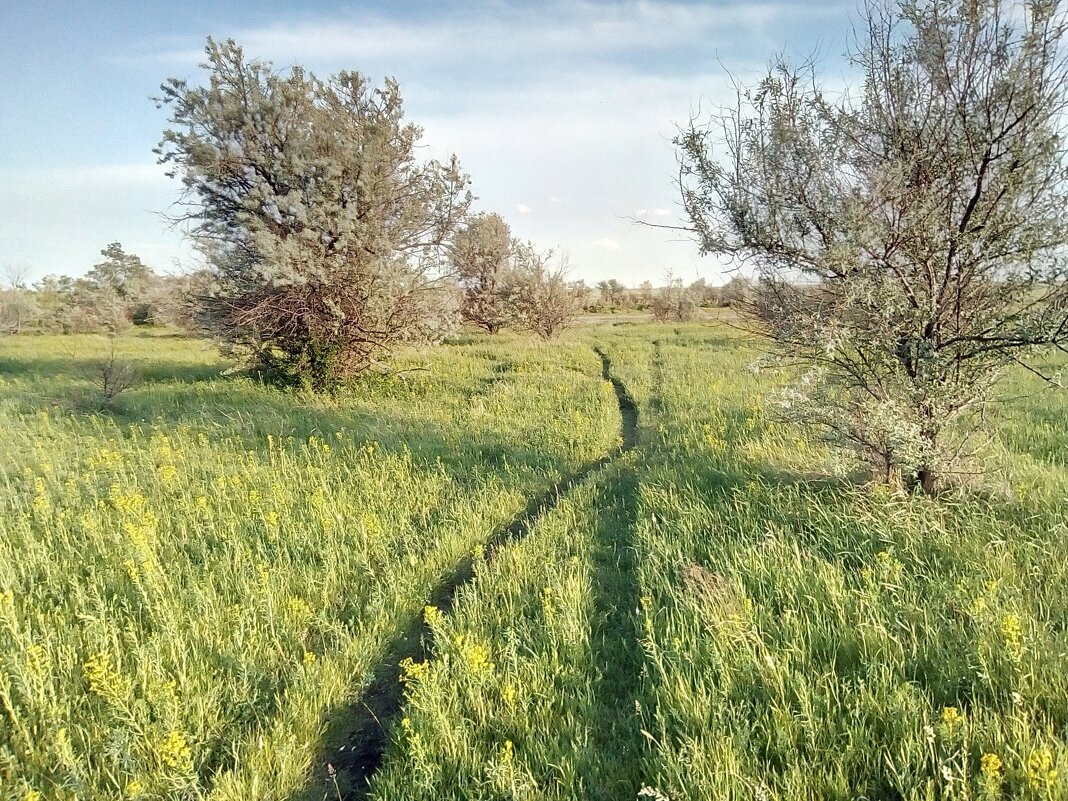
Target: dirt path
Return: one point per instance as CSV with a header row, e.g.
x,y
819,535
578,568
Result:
x,y
350,767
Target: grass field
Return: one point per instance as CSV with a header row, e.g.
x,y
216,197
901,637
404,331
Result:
x,y
202,585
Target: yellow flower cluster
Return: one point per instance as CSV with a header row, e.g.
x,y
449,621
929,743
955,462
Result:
x,y
174,752
103,678
990,766
412,671
1012,633
951,717
547,604
475,655
1040,771
297,609
104,458
433,616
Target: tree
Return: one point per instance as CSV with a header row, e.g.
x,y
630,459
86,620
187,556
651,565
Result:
x,y
704,295
78,306
611,292
908,237
544,301
674,302
123,280
645,295
18,307
736,292
481,251
325,234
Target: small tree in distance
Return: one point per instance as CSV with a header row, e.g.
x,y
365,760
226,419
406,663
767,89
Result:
x,y
324,233
674,301
481,252
908,237
544,301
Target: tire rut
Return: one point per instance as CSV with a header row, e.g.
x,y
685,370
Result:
x,y
349,769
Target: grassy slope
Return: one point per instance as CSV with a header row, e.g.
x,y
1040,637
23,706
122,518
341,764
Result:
x,y
191,584
800,637
711,616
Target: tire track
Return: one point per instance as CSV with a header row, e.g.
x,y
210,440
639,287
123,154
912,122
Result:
x,y
349,768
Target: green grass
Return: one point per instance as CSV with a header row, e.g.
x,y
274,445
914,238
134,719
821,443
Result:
x,y
201,581
192,584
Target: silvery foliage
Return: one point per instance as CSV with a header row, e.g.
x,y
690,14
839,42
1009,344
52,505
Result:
x,y
481,254
324,231
908,235
541,298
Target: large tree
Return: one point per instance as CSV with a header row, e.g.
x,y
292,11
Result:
x,y
324,231
481,255
908,235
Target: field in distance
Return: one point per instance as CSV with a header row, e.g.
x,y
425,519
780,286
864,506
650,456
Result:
x,y
201,584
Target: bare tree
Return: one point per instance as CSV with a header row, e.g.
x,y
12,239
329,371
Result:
x,y
674,301
909,237
325,234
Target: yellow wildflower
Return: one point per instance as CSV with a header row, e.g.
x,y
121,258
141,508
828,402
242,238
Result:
x,y
1012,633
103,679
990,766
309,659
476,655
1040,770
412,671
951,717
433,616
174,752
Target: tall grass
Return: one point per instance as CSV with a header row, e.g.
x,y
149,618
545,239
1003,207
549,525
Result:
x,y
759,623
191,585
198,582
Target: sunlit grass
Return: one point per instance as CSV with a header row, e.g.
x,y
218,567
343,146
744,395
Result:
x,y
198,579
191,582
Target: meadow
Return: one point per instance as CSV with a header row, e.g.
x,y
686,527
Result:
x,y
202,584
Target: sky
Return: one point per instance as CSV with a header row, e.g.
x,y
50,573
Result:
x,y
561,112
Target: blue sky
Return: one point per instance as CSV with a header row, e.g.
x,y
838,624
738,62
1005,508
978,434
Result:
x,y
562,112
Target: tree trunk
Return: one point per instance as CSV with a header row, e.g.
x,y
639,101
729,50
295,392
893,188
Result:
x,y
926,480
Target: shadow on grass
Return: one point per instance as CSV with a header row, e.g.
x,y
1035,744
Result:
x,y
610,763
151,370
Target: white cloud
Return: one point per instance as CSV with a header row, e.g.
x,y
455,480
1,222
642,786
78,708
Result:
x,y
559,28
523,208
641,212
607,243
661,212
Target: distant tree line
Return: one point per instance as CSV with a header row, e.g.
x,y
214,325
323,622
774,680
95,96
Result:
x,y
120,291
674,300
